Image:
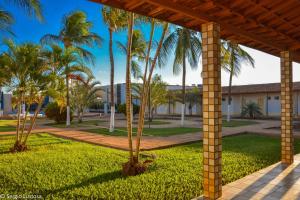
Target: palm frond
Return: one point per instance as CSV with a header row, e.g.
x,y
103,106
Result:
x,y
31,7
49,39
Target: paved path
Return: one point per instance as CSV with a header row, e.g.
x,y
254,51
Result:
x,y
154,142
277,181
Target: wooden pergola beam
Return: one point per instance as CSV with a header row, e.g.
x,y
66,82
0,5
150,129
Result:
x,y
169,5
257,23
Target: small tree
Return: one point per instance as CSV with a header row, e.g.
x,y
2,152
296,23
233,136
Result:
x,y
158,94
57,113
251,110
84,93
193,98
30,82
122,109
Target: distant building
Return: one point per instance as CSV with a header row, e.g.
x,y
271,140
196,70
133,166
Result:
x,y
267,96
5,103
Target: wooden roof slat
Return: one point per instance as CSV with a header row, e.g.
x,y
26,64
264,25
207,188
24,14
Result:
x,y
252,20
258,24
168,5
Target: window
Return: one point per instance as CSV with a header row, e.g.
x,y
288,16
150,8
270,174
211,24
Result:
x,y
276,97
223,99
269,98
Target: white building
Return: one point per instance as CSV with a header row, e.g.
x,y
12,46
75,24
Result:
x,y
267,96
5,103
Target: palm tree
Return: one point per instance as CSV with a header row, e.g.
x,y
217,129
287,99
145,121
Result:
x,y
29,81
75,33
252,110
83,94
186,45
233,56
138,48
6,20
158,94
129,168
32,8
67,63
160,58
115,20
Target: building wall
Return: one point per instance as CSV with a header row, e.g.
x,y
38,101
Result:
x,y
268,102
7,104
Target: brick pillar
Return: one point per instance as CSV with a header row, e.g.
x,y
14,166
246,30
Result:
x,y
212,116
287,139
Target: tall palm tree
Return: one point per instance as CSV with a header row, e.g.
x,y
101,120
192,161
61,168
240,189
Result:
x,y
129,167
75,33
138,48
67,63
31,7
233,56
186,45
115,20
159,57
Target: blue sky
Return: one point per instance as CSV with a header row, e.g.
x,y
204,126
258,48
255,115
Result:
x,y
267,67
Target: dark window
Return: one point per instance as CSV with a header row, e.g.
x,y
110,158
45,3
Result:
x,y
223,99
276,97
269,98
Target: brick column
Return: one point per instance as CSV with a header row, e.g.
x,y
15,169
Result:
x,y
287,139
212,116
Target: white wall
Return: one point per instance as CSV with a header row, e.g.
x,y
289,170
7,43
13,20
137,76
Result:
x,y
7,104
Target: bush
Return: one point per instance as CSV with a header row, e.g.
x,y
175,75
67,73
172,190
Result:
x,y
56,113
122,109
251,110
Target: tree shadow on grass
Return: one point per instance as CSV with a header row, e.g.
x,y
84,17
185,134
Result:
x,y
101,178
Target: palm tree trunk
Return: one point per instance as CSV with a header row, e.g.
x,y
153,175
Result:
x,y
34,119
146,89
229,89
128,88
78,116
68,121
112,76
148,50
24,122
183,89
18,120
229,98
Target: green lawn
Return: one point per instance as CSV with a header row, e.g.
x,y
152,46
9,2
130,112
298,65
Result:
x,y
75,124
149,132
7,125
154,122
61,169
237,123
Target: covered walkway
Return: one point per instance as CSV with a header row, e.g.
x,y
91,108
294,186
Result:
x,y
278,181
271,26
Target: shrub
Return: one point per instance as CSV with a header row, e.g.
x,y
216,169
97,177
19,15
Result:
x,y
56,113
251,110
122,109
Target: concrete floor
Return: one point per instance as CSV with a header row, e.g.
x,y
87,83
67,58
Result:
x,y
277,181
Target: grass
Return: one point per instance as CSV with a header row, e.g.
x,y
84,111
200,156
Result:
x,y
154,122
75,124
7,125
60,169
147,131
237,123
